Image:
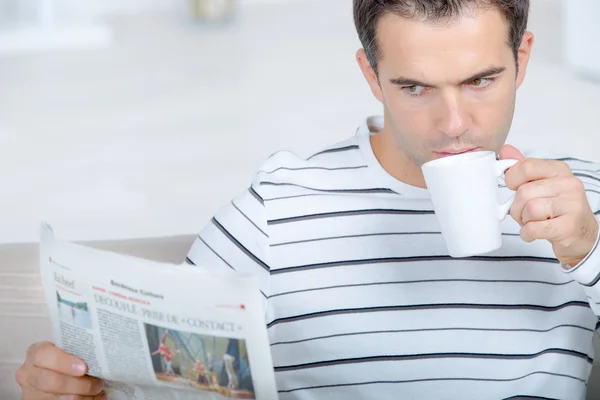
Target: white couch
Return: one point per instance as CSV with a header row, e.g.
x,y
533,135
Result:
x,y
23,312
23,315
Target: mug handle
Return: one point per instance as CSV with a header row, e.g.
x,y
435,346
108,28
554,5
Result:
x,y
501,167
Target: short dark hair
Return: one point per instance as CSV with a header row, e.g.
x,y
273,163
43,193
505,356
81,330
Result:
x,y
367,14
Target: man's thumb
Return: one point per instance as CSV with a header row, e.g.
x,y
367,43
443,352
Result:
x,y
508,152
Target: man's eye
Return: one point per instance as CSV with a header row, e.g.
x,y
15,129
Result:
x,y
481,82
414,90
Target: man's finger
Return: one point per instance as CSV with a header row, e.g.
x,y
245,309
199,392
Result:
x,y
48,356
537,230
530,191
508,152
561,188
541,209
32,394
101,396
49,381
533,169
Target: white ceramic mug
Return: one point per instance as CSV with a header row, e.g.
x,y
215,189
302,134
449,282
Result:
x,y
464,193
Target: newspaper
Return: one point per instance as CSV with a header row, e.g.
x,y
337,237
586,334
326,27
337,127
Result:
x,y
155,330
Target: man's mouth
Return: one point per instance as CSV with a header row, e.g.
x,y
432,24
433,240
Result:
x,y
448,153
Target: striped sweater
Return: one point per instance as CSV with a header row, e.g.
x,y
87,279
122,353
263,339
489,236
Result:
x,y
363,301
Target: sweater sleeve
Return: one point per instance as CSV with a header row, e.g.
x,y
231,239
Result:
x,y
236,238
587,273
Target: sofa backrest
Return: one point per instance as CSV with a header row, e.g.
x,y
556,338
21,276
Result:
x,y
23,311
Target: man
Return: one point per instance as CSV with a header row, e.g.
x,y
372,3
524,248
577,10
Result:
x,y
232,378
201,374
166,353
362,300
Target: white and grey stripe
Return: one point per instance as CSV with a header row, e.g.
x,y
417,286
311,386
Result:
x,y
363,301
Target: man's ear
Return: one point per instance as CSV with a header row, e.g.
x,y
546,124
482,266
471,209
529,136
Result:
x,y
523,56
369,74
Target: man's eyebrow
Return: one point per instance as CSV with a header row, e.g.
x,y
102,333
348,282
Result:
x,y
403,81
485,74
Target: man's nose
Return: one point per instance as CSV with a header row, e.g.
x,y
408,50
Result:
x,y
453,119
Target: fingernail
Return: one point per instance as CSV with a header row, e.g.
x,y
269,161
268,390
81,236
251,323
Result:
x,y
78,367
98,387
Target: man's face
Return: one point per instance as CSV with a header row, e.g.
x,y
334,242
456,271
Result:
x,y
447,87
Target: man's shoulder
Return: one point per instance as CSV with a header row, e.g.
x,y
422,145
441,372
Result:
x,y
344,154
338,154
319,170
574,161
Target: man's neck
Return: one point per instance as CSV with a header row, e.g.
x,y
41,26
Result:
x,y
395,162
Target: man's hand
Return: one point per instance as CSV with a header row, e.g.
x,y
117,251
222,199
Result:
x,y
551,204
51,374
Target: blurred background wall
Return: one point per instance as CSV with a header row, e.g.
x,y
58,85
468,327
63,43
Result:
x,y
143,121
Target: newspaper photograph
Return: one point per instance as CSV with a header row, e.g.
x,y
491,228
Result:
x,y
154,330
